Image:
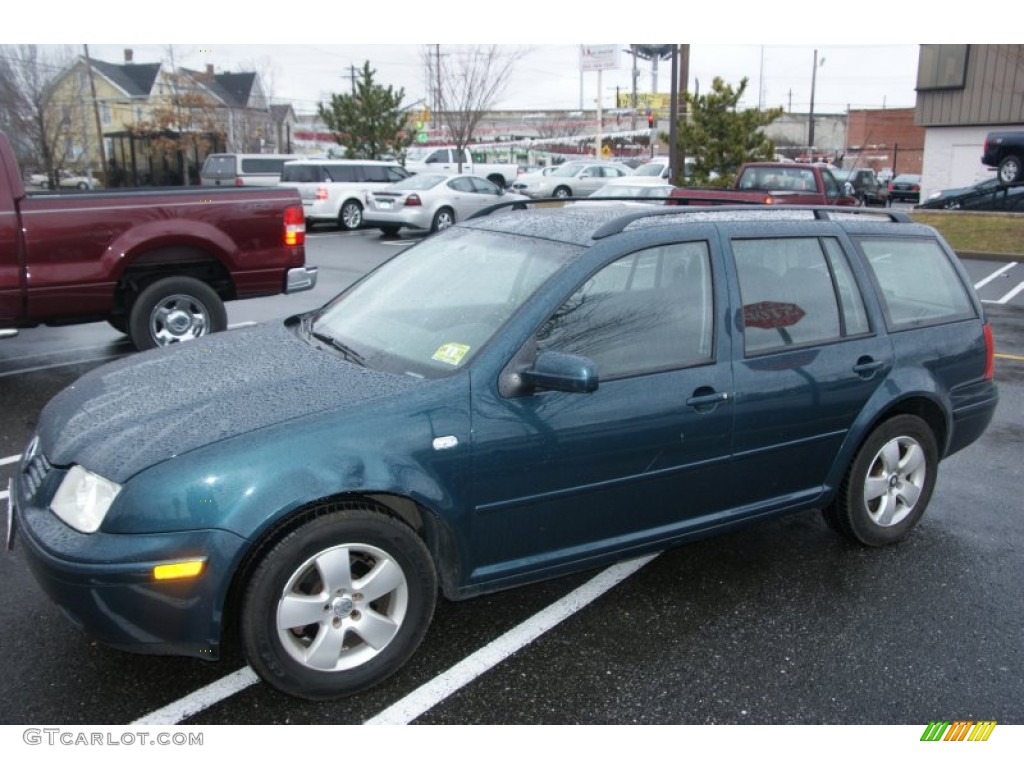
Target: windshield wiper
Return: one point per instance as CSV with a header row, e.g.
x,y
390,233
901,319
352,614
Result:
x,y
346,351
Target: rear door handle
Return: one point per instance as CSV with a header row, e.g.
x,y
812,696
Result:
x,y
866,367
699,401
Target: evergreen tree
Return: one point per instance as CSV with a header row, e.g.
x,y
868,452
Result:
x,y
368,123
719,138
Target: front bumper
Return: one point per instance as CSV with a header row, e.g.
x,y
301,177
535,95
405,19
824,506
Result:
x,y
300,279
104,582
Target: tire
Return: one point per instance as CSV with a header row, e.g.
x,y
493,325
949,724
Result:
x,y
82,185
173,310
889,484
563,192
443,219
338,604
351,215
118,323
1010,170
390,230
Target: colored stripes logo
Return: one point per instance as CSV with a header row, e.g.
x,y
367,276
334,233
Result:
x,y
960,730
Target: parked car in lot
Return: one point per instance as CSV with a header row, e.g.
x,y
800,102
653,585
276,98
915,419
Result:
x,y
523,180
641,193
905,188
866,187
233,169
66,180
1004,151
574,179
334,191
526,394
431,201
987,195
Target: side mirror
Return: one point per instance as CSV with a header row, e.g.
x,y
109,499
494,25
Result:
x,y
561,372
848,189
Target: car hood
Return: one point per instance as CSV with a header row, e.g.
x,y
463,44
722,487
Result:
x,y
129,415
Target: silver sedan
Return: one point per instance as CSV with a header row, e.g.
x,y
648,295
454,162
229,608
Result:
x,y
431,201
576,179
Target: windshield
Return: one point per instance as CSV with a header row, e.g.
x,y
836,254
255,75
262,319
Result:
x,y
416,154
649,169
428,311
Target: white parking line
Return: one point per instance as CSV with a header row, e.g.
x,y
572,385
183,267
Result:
x,y
9,459
202,699
441,687
1005,299
60,365
437,690
995,274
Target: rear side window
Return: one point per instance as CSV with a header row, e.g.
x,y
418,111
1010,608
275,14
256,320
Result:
x,y
796,291
302,173
262,165
919,285
343,173
219,166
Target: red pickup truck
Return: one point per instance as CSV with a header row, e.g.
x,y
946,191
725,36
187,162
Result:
x,y
156,264
772,184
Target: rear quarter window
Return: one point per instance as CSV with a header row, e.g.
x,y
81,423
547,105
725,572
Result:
x,y
917,282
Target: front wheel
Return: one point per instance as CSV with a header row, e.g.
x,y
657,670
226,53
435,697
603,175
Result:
x,y
563,192
338,604
1010,170
173,310
888,485
351,215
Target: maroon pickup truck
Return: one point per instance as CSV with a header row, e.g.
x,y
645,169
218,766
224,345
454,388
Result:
x,y
157,265
772,184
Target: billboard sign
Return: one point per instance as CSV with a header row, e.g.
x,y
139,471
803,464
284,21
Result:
x,y
594,58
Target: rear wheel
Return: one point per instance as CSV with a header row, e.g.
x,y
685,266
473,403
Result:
x,y
443,219
351,215
1010,170
389,230
173,310
338,604
563,192
888,485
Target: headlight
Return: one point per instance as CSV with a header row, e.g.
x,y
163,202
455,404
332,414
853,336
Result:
x,y
83,499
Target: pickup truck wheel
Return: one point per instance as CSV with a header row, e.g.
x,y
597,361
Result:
x,y
563,192
173,310
888,485
351,215
1010,170
443,219
338,604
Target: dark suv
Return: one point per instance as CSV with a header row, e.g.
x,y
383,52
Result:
x,y
520,396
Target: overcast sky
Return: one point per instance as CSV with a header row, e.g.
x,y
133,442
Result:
x,y
867,54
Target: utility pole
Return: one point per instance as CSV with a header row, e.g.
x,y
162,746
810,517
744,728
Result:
x,y
673,118
99,123
352,75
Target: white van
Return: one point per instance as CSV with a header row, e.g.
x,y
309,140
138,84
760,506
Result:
x,y
334,191
237,170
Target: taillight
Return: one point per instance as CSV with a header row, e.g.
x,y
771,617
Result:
x,y
890,186
294,225
413,200
321,193
238,181
915,188
990,353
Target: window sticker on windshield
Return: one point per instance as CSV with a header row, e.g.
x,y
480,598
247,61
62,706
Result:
x,y
451,353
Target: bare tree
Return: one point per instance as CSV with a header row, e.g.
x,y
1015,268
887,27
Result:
x,y
466,83
37,122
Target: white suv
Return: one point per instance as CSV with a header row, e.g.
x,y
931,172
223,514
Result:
x,y
334,191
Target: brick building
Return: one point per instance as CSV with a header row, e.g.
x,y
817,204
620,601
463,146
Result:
x,y
884,139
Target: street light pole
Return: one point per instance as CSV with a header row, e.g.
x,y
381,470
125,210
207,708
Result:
x,y
810,119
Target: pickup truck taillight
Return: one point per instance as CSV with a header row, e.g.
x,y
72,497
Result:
x,y
294,226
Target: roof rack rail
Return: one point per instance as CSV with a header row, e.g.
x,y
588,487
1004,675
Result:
x,y
617,225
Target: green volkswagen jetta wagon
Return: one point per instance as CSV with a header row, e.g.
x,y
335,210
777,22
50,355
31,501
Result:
x,y
529,393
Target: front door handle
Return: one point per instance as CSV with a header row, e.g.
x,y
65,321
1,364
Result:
x,y
704,399
867,366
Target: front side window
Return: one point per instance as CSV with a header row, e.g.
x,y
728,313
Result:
x,y
649,311
918,283
795,291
